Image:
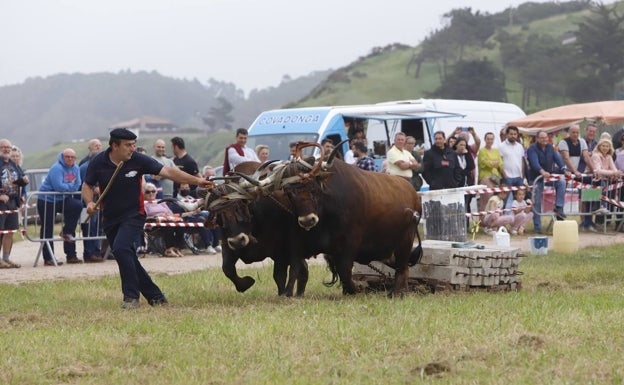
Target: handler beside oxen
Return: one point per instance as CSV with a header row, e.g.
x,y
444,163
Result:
x,y
123,211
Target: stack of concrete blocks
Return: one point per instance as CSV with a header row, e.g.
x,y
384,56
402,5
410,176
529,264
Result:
x,y
445,266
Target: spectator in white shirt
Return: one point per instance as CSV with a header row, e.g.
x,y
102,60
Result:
x,y
238,152
512,152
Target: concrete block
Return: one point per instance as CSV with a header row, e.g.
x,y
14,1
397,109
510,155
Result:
x,y
454,275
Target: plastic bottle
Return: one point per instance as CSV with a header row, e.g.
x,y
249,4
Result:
x,y
425,186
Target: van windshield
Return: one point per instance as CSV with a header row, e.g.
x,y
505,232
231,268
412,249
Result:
x,y
279,144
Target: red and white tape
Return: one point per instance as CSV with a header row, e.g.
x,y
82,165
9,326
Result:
x,y
614,202
496,189
149,225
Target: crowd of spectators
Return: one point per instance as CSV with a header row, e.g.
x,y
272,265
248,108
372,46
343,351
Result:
x,y
458,160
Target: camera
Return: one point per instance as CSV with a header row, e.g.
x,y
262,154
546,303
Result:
x,y
465,128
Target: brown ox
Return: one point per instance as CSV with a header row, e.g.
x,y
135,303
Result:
x,y
356,215
255,227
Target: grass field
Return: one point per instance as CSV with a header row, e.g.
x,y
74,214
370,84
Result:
x,y
564,327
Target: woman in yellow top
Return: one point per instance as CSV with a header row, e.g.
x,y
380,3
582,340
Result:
x,y
490,165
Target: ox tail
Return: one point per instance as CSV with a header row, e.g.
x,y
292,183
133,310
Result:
x,y
331,266
417,252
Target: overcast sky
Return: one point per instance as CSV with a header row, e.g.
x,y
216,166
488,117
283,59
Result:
x,y
251,43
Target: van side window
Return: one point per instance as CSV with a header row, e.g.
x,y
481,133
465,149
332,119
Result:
x,y
356,127
415,128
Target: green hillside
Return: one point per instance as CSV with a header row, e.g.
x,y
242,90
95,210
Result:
x,y
383,75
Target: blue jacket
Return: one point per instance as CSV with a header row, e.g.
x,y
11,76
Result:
x,y
545,159
61,178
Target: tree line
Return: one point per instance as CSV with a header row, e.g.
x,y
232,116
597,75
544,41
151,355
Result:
x,y
585,64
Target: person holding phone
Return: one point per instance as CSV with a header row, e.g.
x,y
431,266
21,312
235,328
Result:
x,y
467,133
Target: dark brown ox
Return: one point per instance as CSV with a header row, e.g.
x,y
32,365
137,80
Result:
x,y
356,215
255,227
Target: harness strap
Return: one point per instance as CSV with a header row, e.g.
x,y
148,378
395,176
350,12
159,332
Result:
x,y
281,205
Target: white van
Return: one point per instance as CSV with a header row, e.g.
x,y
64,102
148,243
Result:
x,y
483,116
418,118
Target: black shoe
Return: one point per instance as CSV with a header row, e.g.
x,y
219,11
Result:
x,y
51,263
130,303
73,260
158,301
559,213
93,259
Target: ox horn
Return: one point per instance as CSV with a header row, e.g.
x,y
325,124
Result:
x,y
253,179
334,152
298,149
317,165
222,178
247,178
266,164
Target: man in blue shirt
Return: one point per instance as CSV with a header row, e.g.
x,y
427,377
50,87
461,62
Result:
x,y
123,213
542,159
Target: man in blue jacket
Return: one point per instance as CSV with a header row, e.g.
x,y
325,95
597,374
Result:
x,y
63,177
542,160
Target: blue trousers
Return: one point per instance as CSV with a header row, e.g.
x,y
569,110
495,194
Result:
x,y
538,192
70,208
134,279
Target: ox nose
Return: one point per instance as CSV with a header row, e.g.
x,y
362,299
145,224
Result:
x,y
308,221
238,242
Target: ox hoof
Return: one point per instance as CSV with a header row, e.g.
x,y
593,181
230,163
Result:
x,y
244,284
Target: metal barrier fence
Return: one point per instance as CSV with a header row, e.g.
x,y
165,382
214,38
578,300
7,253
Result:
x,y
585,197
599,200
35,220
41,218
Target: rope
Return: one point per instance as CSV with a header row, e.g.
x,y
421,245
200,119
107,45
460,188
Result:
x,y
279,204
